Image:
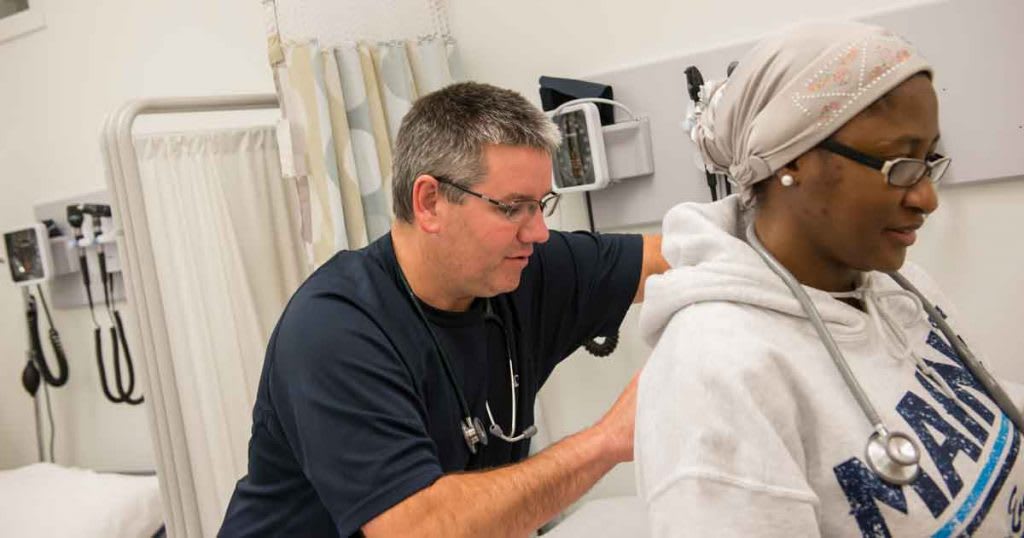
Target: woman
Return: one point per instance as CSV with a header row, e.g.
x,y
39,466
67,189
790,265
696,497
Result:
x,y
745,425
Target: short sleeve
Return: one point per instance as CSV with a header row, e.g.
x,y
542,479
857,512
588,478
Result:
x,y
582,285
350,411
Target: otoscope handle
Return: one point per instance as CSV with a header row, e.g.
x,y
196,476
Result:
x,y
83,265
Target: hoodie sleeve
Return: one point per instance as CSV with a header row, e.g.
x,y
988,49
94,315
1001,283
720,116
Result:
x,y
718,442
712,507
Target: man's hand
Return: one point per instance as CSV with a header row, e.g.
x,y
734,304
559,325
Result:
x,y
617,425
515,500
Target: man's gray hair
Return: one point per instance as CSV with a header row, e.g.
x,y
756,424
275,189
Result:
x,y
445,132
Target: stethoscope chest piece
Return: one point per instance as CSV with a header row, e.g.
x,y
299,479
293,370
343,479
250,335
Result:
x,y
474,433
895,457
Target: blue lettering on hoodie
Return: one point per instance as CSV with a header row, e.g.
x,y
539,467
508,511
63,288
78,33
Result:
x,y
959,378
920,416
864,490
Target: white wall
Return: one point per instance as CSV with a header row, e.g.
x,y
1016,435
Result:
x,y
56,87
972,246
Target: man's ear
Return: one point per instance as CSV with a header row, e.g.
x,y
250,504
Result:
x,y
426,197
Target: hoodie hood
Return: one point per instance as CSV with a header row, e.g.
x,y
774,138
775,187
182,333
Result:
x,y
711,261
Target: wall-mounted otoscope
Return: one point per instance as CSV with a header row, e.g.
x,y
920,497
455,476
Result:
x,y
124,371
718,184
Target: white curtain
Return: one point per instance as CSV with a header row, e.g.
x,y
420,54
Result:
x,y
223,233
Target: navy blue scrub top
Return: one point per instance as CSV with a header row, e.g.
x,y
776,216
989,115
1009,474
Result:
x,y
354,412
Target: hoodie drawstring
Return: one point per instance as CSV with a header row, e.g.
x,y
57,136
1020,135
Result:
x,y
893,337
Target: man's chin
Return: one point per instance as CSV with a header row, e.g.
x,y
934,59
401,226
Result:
x,y
507,285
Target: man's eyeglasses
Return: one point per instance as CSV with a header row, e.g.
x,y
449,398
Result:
x,y
517,210
901,172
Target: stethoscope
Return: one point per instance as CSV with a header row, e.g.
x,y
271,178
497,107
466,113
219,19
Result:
x,y
892,455
472,428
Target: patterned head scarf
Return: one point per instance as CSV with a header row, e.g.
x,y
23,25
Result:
x,y
792,91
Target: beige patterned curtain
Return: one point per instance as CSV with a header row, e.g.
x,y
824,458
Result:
x,y
343,105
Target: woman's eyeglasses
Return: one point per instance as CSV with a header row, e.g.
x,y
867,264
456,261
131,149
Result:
x,y
901,172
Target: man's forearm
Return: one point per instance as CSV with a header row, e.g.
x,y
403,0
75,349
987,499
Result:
x,y
509,501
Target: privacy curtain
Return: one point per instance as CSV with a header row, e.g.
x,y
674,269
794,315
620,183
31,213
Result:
x,y
224,238
343,105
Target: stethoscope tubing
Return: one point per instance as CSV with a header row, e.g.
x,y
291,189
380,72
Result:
x,y
471,426
819,325
445,363
975,366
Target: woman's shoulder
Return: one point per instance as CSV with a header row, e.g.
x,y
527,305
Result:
x,y
722,337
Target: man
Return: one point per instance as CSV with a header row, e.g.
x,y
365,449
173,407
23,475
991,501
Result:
x,y
392,364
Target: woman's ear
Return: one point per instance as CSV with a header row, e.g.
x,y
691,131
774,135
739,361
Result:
x,y
426,198
787,174
774,187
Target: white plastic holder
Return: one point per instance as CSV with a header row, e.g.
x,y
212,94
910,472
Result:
x,y
66,289
28,250
627,147
593,156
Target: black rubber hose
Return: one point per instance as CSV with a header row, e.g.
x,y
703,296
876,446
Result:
x,y
62,362
37,350
58,349
118,381
98,339
599,349
603,349
84,267
128,361
108,292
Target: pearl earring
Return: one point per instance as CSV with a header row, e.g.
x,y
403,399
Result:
x,y
787,180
